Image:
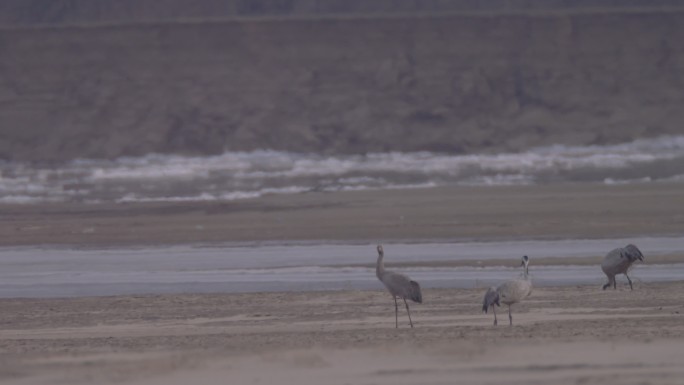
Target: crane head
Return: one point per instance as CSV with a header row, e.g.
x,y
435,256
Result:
x,y
380,251
633,253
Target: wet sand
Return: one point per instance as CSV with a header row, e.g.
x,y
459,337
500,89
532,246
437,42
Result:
x,y
564,335
458,213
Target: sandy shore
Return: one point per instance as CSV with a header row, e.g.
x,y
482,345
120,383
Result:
x,y
564,335
459,213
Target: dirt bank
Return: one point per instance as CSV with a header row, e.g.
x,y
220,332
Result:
x,y
456,83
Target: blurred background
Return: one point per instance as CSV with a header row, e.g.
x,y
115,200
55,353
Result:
x,y
142,100
460,134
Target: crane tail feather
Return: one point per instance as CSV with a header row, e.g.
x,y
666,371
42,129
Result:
x,y
415,294
491,298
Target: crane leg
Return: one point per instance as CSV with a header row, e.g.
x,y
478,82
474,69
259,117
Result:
x,y
611,281
409,312
614,283
396,314
510,316
494,309
630,282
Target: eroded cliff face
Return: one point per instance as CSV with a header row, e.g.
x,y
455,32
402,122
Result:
x,y
340,85
67,12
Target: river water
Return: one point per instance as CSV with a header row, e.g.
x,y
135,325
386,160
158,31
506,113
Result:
x,y
231,268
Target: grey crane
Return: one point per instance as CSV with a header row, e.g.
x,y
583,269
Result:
x,y
509,292
619,261
398,285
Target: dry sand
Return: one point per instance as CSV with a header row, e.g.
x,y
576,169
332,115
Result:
x,y
561,335
570,335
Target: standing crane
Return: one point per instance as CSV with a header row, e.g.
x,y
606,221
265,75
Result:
x,y
399,286
619,261
509,292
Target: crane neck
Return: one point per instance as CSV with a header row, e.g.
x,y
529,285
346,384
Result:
x,y
380,267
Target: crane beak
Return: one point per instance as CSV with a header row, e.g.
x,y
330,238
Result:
x,y
524,260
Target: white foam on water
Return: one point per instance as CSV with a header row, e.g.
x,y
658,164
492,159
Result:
x,y
210,197
23,199
611,181
243,175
